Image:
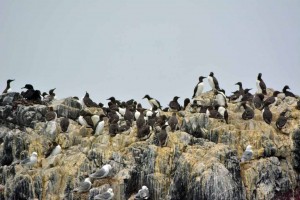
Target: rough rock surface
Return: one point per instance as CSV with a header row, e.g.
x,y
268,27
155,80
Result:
x,y
200,161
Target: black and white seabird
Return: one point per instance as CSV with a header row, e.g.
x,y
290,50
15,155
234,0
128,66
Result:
x,y
248,112
212,113
53,150
162,135
99,127
267,114
143,131
186,103
237,95
174,105
50,97
113,128
173,122
199,87
64,124
88,102
213,82
258,100
223,111
247,95
287,93
272,99
281,121
8,88
84,186
221,98
141,119
260,84
128,115
153,102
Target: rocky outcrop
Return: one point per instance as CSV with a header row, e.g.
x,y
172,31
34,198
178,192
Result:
x,y
199,161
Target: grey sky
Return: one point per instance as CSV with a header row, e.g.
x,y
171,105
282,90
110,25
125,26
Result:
x,y
129,48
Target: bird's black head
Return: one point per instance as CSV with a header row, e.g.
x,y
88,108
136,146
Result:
x,y
51,92
286,87
176,98
100,105
211,74
259,76
28,87
164,126
239,84
201,78
87,94
247,90
146,96
275,93
111,99
44,94
10,80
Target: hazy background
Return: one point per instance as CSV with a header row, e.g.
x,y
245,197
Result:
x,y
128,49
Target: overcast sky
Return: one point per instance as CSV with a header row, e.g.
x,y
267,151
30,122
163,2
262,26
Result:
x,y
131,48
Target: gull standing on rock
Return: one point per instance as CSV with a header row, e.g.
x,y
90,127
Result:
x,y
29,162
101,173
84,186
247,155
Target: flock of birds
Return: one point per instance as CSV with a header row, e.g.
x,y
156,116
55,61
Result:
x,y
122,115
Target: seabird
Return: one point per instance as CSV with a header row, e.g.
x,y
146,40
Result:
x,y
186,103
142,194
101,173
213,82
199,87
128,115
174,105
84,186
143,131
162,135
153,102
64,124
221,98
212,113
281,121
53,150
8,88
50,115
173,122
272,99
247,96
108,195
113,115
125,126
258,101
140,120
100,125
30,93
30,161
247,155
50,97
85,119
161,120
113,128
248,112
287,93
260,84
267,114
88,102
223,112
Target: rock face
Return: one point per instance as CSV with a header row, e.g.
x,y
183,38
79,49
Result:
x,y
199,161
